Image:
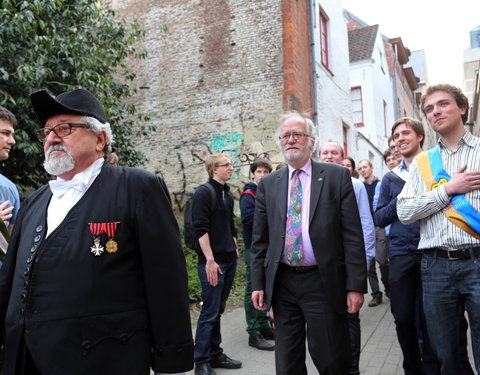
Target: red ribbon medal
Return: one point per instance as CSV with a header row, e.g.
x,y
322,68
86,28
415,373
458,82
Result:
x,y
110,228
96,229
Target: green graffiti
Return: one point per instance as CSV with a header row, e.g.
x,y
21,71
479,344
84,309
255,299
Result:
x,y
228,143
229,140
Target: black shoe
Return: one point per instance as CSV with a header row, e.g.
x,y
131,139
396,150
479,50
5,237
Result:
x,y
375,301
225,362
204,369
257,341
268,333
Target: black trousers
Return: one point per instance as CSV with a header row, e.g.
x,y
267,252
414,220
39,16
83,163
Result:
x,y
26,365
355,341
302,311
406,305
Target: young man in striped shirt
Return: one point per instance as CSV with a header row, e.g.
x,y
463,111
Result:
x,y
443,181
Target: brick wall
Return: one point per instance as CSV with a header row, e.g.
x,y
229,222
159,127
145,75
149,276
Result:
x,y
297,60
213,82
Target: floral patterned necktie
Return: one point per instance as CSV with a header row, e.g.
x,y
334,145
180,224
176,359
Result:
x,y
293,252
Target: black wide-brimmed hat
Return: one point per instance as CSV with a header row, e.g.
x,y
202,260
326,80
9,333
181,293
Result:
x,y
76,102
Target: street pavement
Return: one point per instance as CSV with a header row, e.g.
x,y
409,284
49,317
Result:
x,y
381,354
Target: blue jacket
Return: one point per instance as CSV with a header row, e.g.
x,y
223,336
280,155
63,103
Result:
x,y
403,238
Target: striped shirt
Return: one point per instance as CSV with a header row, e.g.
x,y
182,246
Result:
x,y
416,202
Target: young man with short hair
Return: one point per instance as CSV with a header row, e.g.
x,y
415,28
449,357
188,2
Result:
x,y
217,262
443,193
8,191
258,326
404,255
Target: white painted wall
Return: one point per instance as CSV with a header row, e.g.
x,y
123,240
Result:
x,y
376,88
333,86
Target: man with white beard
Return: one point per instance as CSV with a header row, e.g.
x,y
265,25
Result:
x,y
95,278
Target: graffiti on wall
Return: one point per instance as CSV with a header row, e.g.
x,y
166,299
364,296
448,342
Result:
x,y
183,165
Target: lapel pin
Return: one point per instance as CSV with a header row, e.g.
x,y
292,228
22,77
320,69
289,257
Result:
x,y
320,179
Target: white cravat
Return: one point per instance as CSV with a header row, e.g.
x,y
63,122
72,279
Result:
x,y
66,193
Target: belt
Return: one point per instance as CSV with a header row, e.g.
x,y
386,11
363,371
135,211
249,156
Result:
x,y
456,254
300,268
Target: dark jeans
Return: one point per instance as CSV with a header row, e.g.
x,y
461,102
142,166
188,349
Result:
x,y
449,288
208,336
381,257
256,319
405,299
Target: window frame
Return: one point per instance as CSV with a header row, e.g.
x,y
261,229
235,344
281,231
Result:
x,y
324,40
352,89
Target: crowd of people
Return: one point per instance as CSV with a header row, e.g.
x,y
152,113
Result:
x,y
95,281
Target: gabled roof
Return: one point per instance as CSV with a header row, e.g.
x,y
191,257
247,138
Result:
x,y
361,42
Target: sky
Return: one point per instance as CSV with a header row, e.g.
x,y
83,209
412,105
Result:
x,y
442,28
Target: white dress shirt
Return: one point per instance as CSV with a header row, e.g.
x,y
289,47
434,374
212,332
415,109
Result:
x,y
66,193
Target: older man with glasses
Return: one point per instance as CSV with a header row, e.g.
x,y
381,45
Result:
x,y
308,254
95,279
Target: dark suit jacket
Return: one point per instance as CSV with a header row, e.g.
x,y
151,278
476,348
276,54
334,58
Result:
x,y
335,232
117,313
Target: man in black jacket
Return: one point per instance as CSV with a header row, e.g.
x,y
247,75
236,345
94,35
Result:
x,y
257,321
217,262
95,280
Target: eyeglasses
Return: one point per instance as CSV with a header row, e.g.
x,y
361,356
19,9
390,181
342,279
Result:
x,y
228,165
60,130
296,136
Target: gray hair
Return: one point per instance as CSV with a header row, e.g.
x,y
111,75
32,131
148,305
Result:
x,y
312,131
97,127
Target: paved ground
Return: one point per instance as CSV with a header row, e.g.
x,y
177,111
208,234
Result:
x,y
381,353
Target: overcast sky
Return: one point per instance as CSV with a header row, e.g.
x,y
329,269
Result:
x,y
440,27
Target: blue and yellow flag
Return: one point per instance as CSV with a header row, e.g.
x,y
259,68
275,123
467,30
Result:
x,y
459,211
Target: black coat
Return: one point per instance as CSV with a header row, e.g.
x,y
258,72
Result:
x,y
117,313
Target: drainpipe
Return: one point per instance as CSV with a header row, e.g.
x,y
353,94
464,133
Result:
x,y
394,83
314,64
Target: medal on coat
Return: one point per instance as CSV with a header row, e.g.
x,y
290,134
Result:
x,y
96,229
111,245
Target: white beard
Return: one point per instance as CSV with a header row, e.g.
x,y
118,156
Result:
x,y
57,165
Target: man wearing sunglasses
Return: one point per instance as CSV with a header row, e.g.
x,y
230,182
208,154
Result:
x,y
95,279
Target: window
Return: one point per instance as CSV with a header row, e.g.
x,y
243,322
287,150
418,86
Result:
x,y
324,40
357,106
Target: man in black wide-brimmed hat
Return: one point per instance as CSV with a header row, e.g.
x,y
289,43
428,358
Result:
x,y
95,279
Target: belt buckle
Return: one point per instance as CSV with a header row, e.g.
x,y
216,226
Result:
x,y
452,257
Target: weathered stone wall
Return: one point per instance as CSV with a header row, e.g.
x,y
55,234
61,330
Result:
x,y
212,82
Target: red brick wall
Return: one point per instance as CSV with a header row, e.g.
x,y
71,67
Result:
x,y
297,61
